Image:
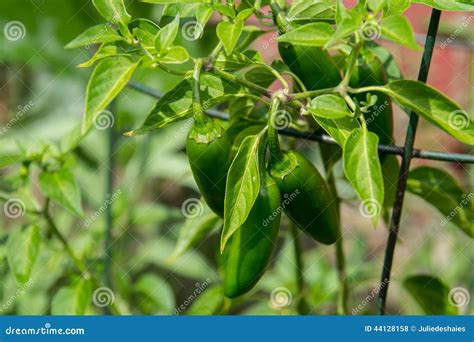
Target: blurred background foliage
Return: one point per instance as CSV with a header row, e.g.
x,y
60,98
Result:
x,y
153,179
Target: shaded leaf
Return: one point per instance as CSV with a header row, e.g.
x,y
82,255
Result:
x,y
210,302
339,129
154,295
398,29
72,300
22,251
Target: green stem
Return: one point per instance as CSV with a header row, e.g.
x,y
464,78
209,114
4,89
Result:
x,y
350,69
273,141
172,71
342,301
78,263
277,75
279,17
366,89
310,94
233,78
198,112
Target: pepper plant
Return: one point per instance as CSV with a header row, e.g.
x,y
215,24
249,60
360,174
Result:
x,y
331,77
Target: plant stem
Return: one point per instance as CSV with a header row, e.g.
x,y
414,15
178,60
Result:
x,y
310,93
343,296
172,71
198,112
80,265
367,89
350,69
273,142
236,79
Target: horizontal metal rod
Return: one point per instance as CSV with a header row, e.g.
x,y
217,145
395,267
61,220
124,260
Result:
x,y
324,138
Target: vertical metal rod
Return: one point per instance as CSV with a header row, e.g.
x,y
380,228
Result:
x,y
405,166
109,185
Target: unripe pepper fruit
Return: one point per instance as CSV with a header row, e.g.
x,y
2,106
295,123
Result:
x,y
249,250
307,199
209,152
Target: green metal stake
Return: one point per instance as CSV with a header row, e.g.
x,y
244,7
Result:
x,y
405,166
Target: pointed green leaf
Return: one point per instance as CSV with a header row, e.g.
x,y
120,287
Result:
x,y
398,29
176,105
11,158
448,5
431,294
72,300
167,35
115,12
61,187
339,129
438,188
174,55
102,33
243,185
109,50
229,34
203,14
434,107
108,79
329,106
210,302
362,169
193,231
22,251
154,295
314,34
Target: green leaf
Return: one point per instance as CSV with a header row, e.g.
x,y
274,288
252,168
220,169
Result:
x,y
438,188
431,294
108,79
229,34
72,300
237,60
329,106
176,105
154,295
434,107
339,129
145,31
174,55
389,63
398,29
115,12
243,185
22,251
203,14
11,158
193,231
210,302
102,33
109,50
448,5
362,169
61,187
395,7
314,34
165,2
303,11
167,35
